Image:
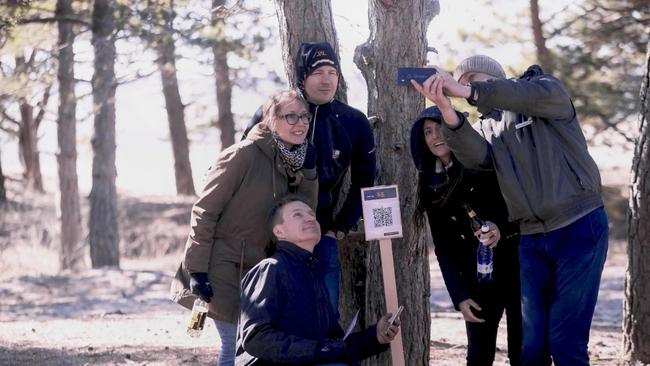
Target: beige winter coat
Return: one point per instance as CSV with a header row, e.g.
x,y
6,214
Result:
x,y
229,220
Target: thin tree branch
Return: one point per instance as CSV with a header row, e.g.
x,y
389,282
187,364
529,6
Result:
x,y
55,19
8,117
137,77
43,105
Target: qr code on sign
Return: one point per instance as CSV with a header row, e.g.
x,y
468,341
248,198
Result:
x,y
382,216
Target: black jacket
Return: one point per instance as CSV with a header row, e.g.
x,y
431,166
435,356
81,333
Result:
x,y
286,317
343,139
442,194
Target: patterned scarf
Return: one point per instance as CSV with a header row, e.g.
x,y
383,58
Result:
x,y
293,157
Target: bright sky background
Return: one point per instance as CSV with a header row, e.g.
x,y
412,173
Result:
x,y
144,154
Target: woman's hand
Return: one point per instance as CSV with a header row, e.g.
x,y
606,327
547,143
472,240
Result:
x,y
491,238
465,307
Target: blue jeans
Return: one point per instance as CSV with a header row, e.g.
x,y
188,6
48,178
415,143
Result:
x,y
228,334
560,276
329,268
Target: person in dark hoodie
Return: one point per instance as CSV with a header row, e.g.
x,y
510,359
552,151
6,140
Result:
x,y
444,186
344,140
530,135
286,318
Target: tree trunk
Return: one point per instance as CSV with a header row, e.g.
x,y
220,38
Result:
x,y
71,255
175,116
103,229
3,190
636,320
225,120
398,38
28,131
306,21
28,140
544,56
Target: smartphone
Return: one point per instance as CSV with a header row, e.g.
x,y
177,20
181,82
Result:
x,y
419,74
392,319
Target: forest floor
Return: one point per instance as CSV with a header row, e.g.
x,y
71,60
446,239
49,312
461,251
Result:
x,y
123,316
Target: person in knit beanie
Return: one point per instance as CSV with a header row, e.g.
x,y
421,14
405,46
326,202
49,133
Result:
x,y
479,64
529,134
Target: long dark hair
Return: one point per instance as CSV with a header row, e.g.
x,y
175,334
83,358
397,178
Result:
x,y
447,187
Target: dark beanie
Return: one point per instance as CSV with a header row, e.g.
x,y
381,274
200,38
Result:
x,y
312,56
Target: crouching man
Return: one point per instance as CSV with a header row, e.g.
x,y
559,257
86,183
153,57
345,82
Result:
x,y
285,313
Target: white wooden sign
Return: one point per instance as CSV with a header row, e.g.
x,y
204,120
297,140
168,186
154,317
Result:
x,y
381,213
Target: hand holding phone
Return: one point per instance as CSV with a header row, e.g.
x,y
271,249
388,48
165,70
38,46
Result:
x,y
392,319
419,74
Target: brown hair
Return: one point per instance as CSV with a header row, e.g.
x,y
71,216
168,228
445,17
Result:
x,y
273,104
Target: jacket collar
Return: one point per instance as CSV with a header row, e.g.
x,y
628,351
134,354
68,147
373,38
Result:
x,y
321,107
297,253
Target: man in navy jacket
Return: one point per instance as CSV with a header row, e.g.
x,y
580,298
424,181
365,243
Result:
x,y
285,313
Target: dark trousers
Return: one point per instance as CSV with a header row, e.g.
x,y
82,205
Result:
x,y
482,337
560,277
329,268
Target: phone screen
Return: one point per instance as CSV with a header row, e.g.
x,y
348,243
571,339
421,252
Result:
x,y
395,316
419,74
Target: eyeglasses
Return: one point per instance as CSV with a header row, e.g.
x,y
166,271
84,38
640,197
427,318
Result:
x,y
293,118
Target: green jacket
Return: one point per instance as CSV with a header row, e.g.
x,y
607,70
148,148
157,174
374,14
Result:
x,y
229,231
533,140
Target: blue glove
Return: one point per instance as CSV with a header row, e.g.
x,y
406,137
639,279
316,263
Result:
x,y
200,286
310,157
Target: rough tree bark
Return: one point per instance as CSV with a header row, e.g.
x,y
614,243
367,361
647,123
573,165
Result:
x,y
636,321
71,255
103,228
225,119
544,56
398,38
175,114
306,21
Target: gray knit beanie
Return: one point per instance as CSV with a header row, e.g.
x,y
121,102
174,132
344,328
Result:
x,y
479,63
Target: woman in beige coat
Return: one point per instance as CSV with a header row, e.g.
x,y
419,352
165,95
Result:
x,y
228,233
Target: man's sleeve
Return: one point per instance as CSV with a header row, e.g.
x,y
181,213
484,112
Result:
x,y
467,144
543,96
364,344
257,118
260,311
363,170
222,181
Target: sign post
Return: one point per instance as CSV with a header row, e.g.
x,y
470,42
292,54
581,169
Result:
x,y
382,220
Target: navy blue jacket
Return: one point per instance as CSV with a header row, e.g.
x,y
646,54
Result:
x,y
286,317
343,139
442,194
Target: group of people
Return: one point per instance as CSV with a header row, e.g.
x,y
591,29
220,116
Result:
x,y
523,167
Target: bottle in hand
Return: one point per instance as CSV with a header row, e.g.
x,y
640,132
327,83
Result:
x,y
484,259
197,321
484,254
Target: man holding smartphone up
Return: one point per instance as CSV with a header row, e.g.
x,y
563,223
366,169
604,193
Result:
x,y
530,135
